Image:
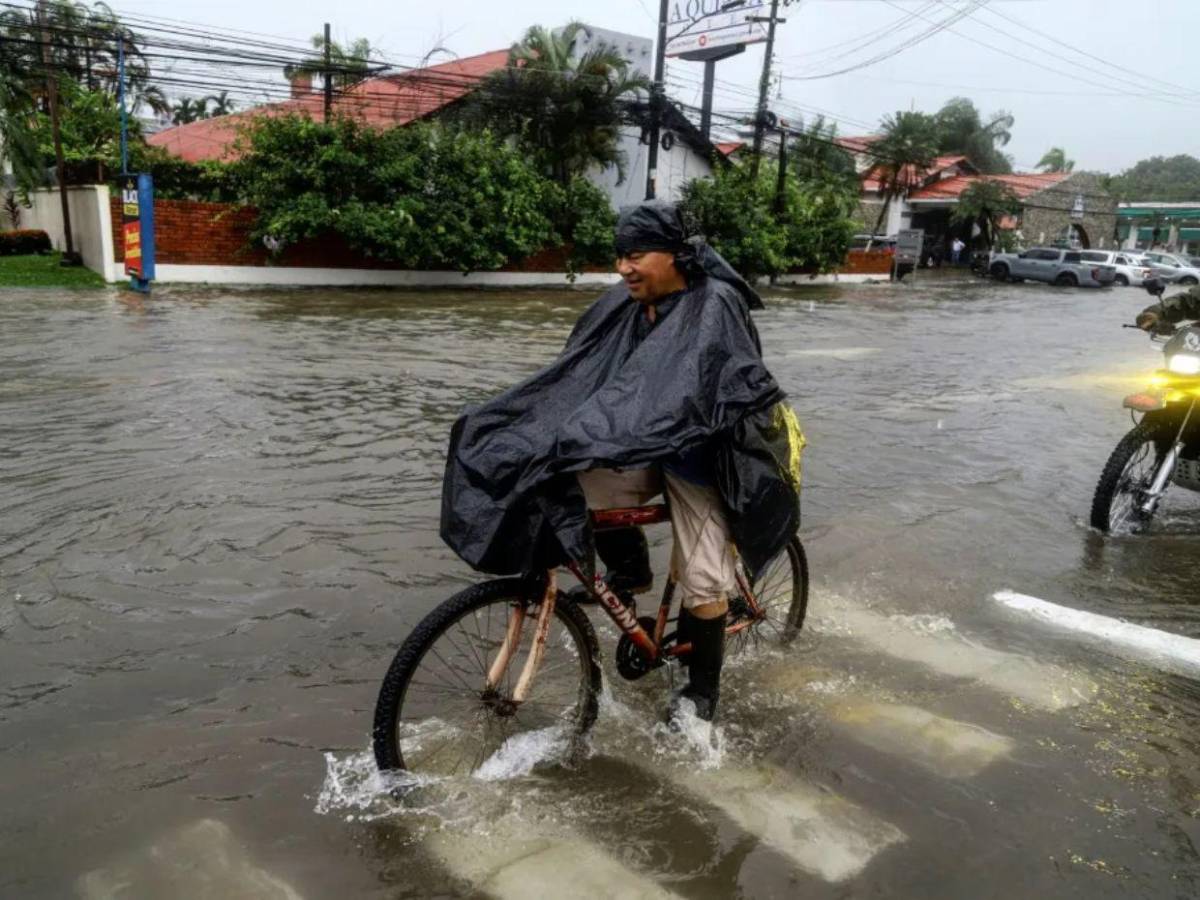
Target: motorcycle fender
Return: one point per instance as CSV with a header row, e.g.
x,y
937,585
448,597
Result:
x,y
1145,402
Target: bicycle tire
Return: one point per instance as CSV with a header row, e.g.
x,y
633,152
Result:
x,y
389,707
789,624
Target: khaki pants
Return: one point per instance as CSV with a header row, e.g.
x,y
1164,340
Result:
x,y
702,562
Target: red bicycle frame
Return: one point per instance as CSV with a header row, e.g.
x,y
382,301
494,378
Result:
x,y
622,616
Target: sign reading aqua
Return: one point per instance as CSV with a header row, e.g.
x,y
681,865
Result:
x,y
695,25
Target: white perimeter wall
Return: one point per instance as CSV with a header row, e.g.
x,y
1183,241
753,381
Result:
x,y
91,224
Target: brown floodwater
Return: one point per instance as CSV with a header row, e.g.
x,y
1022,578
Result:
x,y
219,520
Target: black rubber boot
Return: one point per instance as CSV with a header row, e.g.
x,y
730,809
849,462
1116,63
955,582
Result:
x,y
683,633
626,555
707,637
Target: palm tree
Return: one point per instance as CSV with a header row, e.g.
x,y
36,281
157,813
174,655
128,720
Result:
x,y
814,154
348,65
565,108
902,156
961,129
84,50
222,105
18,139
985,203
189,110
1055,160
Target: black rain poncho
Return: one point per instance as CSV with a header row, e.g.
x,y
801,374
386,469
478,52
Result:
x,y
511,503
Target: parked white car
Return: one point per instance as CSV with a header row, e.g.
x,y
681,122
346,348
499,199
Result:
x,y
1171,268
1131,268
1053,265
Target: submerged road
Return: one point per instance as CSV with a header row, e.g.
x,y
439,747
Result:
x,y
219,520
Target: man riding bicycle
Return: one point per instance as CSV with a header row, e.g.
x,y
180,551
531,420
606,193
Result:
x,y
661,386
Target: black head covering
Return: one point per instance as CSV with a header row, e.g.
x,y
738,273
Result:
x,y
651,226
659,226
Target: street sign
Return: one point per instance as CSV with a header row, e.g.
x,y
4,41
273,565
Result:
x,y
695,25
908,245
137,229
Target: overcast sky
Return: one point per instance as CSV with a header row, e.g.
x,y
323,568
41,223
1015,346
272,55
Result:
x,y
1121,87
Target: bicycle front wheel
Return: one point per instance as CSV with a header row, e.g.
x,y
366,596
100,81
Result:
x,y
781,592
437,715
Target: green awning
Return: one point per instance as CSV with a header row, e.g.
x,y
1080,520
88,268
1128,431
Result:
x,y
1147,234
1189,234
1150,212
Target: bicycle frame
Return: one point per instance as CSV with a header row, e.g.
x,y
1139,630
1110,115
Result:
x,y
649,643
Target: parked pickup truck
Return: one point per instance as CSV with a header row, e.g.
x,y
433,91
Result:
x,y
1051,265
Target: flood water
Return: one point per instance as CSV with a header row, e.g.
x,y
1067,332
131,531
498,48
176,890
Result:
x,y
219,520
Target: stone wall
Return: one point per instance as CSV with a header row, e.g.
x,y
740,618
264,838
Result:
x,y
1049,212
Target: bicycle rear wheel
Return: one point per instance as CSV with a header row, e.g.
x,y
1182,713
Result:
x,y
435,714
781,591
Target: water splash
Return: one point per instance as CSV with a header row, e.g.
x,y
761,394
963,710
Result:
x,y
522,753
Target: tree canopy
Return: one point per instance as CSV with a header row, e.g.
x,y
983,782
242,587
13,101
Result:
x,y
985,203
1055,160
1166,179
347,64
962,129
902,155
562,108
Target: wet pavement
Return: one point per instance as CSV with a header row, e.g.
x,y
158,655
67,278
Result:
x,y
219,521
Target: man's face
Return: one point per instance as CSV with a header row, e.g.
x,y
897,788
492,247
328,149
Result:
x,y
650,274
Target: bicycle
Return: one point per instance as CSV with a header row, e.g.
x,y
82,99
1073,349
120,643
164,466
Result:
x,y
461,658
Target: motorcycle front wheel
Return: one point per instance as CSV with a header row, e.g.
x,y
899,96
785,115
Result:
x,y
1126,478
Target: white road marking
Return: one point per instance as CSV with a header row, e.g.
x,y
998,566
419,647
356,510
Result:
x,y
944,746
1047,686
1162,648
819,831
510,862
204,860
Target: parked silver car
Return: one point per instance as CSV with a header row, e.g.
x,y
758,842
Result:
x,y
1131,268
1052,265
1171,268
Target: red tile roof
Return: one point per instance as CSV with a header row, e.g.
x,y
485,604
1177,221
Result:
x,y
857,144
727,148
1023,185
910,175
386,101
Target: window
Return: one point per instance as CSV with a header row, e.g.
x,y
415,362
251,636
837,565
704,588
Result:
x,y
1095,256
1121,261
1047,255
1072,257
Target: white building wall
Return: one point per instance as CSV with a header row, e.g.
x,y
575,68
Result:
x,y
91,223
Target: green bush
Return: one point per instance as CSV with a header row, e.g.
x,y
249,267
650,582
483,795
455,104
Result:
x,y
420,196
588,222
734,214
24,242
812,231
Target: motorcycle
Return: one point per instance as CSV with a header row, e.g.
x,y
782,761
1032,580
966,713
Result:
x,y
1163,448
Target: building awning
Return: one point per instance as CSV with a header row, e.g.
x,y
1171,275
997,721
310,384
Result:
x,y
1189,234
1147,212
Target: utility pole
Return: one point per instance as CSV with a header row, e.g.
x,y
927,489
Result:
x,y
70,257
764,84
657,95
781,182
328,77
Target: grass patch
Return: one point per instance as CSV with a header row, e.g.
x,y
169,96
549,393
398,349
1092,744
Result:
x,y
44,271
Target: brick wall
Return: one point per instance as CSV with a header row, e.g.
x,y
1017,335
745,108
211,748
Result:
x,y
194,233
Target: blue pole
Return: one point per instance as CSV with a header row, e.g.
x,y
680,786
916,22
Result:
x,y
121,101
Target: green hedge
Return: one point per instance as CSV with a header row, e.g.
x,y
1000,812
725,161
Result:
x,y
24,242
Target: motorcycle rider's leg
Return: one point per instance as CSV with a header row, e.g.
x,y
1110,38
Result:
x,y
703,569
